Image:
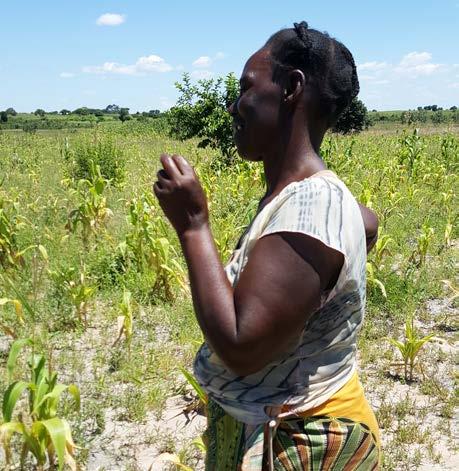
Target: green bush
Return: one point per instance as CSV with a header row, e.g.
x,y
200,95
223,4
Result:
x,y
30,127
103,152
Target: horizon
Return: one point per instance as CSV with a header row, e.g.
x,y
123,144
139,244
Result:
x,y
63,56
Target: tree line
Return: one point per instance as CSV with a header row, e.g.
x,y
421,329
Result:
x,y
110,110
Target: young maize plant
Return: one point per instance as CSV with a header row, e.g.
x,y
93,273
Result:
x,y
380,250
410,153
10,224
372,280
419,254
141,237
177,459
19,302
76,288
449,151
92,212
174,459
125,321
44,435
168,270
7,330
148,250
391,204
200,404
375,265
410,348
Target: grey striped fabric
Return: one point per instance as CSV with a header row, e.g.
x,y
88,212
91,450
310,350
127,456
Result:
x,y
323,360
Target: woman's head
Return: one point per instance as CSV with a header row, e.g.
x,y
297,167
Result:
x,y
327,64
299,75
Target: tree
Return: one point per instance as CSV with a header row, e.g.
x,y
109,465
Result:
x,y
154,113
201,111
83,111
453,108
124,114
353,119
11,112
65,112
3,116
39,112
112,109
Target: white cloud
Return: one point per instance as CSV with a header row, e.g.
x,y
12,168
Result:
x,y
372,66
201,74
417,63
152,63
110,68
219,56
415,58
66,75
414,80
110,19
203,61
143,66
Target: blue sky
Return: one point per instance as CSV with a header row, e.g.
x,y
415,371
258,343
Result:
x,y
64,54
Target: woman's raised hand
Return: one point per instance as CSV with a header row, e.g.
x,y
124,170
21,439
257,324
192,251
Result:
x,y
180,194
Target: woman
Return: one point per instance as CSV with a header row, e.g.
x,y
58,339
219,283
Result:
x,y
280,321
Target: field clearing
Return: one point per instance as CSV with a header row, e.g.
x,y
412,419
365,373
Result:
x,y
103,239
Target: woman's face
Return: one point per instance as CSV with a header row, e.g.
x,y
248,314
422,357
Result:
x,y
255,113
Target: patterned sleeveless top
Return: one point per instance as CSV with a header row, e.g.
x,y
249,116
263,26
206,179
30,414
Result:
x,y
324,358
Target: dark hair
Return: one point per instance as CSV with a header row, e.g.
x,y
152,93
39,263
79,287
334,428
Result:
x,y
324,61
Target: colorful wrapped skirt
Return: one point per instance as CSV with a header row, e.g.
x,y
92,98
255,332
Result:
x,y
321,440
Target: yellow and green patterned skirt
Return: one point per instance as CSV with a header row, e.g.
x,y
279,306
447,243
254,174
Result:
x,y
318,442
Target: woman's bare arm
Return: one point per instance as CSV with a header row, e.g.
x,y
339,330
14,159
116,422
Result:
x,y
370,221
250,324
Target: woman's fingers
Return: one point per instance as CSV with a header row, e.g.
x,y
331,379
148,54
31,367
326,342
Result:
x,y
163,179
182,164
170,166
175,168
158,190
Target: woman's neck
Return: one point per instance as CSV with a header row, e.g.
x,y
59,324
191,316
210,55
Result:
x,y
294,160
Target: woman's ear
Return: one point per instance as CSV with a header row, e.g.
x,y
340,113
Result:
x,y
295,86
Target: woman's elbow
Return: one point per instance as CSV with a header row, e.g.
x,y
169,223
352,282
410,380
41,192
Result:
x,y
244,361
244,367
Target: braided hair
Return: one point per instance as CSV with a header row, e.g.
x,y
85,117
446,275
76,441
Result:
x,y
327,64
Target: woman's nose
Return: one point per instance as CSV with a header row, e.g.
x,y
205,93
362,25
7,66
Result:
x,y
232,107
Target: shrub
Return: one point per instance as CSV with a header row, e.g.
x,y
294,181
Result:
x,y
103,153
439,117
30,127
